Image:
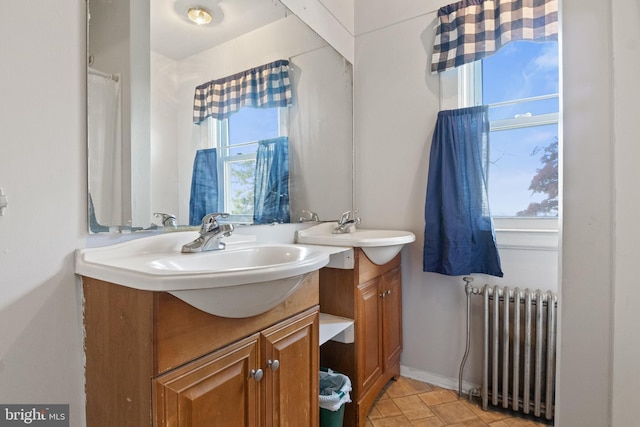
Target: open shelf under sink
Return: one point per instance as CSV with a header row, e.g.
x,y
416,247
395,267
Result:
x,y
336,328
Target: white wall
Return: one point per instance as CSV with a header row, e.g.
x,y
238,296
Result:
x,y
343,11
330,19
587,253
375,15
43,171
598,361
164,139
626,49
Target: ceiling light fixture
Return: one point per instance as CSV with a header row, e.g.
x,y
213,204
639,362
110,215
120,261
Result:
x,y
199,15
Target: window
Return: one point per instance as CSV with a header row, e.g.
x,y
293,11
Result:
x,y
236,139
520,83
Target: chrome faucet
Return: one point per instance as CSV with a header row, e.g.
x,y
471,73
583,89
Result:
x,y
168,220
309,216
211,234
347,222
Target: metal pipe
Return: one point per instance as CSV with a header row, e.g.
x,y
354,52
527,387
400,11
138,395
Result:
x,y
485,365
526,401
551,360
496,346
467,290
537,392
505,351
516,351
114,77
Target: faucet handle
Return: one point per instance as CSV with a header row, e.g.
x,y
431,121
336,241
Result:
x,y
212,217
167,219
348,215
312,216
211,220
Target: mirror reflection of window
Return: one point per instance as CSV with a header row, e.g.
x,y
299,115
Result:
x,y
236,139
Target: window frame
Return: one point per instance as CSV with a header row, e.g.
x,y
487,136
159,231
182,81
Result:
x,y
462,87
470,95
218,137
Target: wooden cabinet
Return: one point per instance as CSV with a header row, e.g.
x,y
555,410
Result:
x,y
291,356
372,295
391,294
218,389
267,379
153,360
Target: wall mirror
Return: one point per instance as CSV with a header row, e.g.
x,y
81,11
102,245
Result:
x,y
145,59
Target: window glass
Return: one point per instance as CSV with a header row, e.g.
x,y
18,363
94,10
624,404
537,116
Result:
x,y
520,84
239,179
521,69
237,141
253,124
523,109
523,172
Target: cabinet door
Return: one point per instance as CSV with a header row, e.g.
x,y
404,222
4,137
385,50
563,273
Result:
x,y
290,358
217,390
368,334
391,290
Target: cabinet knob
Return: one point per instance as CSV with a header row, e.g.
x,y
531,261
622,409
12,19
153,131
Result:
x,y
257,374
273,364
385,294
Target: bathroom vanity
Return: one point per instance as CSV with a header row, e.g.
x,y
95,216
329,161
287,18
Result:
x,y
154,360
372,295
227,337
232,337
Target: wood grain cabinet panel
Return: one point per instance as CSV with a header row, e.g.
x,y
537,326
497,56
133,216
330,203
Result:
x,y
368,333
391,292
268,379
291,361
215,390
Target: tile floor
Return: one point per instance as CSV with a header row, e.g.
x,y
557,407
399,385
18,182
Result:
x,y
412,403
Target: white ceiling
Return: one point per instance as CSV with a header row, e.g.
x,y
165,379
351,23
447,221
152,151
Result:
x,y
174,36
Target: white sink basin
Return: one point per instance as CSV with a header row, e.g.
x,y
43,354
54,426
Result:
x,y
245,279
380,246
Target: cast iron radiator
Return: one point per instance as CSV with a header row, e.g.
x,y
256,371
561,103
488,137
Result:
x,y
519,350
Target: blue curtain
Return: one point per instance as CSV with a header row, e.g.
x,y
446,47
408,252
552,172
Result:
x,y
271,197
204,186
459,238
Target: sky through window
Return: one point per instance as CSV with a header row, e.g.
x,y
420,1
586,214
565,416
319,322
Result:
x,y
520,70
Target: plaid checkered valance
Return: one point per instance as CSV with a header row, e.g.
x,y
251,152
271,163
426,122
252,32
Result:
x,y
266,86
470,30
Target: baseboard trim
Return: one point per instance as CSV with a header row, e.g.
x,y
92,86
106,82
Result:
x,y
437,380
